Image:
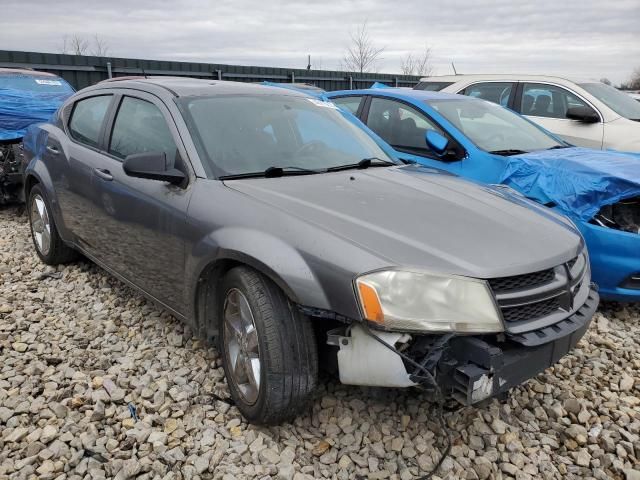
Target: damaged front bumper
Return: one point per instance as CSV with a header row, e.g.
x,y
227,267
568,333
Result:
x,y
469,369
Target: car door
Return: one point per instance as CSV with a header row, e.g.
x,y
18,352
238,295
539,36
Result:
x,y
141,223
547,105
404,127
72,161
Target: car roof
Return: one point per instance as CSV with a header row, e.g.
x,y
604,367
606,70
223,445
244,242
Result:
x,y
25,71
406,93
187,86
506,77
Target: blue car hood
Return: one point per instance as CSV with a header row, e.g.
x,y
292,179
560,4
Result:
x,y
580,181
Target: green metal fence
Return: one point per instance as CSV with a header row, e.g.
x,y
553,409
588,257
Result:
x,y
82,71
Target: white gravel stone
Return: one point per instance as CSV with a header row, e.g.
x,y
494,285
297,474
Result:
x,y
77,349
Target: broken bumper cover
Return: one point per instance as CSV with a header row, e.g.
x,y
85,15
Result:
x,y
468,368
476,368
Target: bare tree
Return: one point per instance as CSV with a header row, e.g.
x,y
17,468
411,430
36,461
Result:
x,y
634,82
418,64
79,45
100,47
361,56
605,80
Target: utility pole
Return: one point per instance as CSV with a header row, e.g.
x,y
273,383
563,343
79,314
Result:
x,y
308,62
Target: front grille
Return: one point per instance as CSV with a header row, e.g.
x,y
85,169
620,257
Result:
x,y
531,311
517,282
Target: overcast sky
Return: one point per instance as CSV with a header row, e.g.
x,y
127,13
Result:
x,y
585,39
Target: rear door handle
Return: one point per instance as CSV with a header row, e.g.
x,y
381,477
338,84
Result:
x,y
103,173
53,150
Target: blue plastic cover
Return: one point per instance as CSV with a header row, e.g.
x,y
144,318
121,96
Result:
x,y
28,99
579,181
380,85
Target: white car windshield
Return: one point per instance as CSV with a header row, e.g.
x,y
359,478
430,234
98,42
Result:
x,y
494,128
621,103
242,134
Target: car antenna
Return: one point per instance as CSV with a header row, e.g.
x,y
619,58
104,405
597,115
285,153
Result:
x,y
454,68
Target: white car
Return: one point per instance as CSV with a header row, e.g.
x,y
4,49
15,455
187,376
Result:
x,y
588,114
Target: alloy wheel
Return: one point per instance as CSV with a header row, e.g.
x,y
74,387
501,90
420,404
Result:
x,y
242,348
40,224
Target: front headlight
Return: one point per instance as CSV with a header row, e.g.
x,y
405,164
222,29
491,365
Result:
x,y
426,302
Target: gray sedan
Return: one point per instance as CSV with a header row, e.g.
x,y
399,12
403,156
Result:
x,y
280,227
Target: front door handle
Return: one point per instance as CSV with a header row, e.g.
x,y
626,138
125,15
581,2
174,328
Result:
x,y
103,173
52,150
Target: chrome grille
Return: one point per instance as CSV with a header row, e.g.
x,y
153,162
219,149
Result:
x,y
540,298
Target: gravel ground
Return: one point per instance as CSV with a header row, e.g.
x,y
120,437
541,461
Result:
x,y
77,348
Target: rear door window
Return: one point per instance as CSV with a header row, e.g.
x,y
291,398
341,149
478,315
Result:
x,y
87,118
496,92
140,127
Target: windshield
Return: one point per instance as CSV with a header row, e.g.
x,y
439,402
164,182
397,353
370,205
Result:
x,y
492,127
241,134
37,84
621,103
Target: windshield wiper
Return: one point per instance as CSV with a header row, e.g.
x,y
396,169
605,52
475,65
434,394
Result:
x,y
364,163
272,172
557,147
507,152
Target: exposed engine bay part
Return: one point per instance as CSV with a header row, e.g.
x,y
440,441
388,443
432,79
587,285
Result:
x,y
624,215
11,155
364,361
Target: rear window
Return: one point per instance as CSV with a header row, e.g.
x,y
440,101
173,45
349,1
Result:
x,y
35,83
432,86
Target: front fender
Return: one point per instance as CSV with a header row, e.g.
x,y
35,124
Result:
x,y
266,253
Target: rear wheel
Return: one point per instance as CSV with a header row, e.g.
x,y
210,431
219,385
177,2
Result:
x,y
268,347
49,246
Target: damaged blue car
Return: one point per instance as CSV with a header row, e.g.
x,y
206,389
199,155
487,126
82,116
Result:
x,y
27,97
482,141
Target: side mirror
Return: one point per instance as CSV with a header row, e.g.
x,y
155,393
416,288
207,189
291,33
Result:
x,y
582,114
153,166
436,141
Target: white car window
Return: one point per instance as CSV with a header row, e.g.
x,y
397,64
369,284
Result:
x,y
496,92
541,100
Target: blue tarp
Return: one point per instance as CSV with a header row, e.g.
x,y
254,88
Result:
x,y
579,181
25,100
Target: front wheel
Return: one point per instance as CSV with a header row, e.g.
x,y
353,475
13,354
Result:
x,y
268,347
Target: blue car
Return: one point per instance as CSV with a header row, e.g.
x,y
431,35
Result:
x,y
482,141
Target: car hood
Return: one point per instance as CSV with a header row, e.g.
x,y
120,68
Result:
x,y
580,181
416,217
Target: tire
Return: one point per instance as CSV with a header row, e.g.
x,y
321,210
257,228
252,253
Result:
x,y
49,246
283,339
